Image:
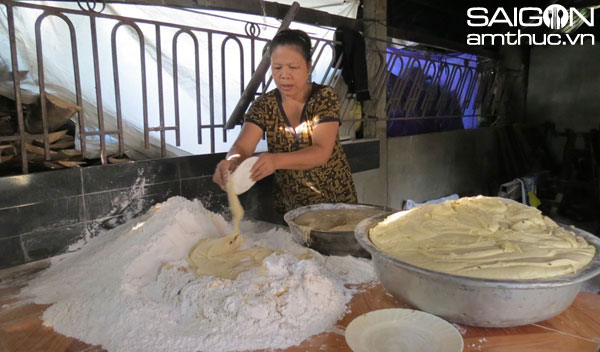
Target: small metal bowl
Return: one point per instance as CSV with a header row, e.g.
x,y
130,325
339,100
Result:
x,y
326,242
474,301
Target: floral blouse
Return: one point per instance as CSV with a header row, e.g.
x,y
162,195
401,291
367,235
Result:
x,y
329,183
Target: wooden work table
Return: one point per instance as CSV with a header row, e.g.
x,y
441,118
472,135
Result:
x,y
576,329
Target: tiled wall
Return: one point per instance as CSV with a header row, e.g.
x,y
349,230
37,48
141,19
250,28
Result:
x,y
41,214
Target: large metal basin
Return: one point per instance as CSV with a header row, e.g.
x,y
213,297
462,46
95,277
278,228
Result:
x,y
473,301
325,242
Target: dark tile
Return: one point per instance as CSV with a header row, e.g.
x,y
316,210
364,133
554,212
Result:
x,y
200,187
258,201
94,227
39,187
354,147
41,216
45,244
216,203
362,156
123,211
112,203
161,192
126,204
119,176
359,164
199,165
11,253
207,192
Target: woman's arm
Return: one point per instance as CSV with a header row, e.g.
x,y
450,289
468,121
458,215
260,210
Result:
x,y
323,140
242,148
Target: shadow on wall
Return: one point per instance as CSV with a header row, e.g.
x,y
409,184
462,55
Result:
x,y
428,97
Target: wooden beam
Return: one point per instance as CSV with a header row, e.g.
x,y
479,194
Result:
x,y
445,7
259,74
579,3
311,16
423,37
252,7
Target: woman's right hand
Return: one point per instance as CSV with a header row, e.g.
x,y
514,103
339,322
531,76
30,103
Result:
x,y
224,167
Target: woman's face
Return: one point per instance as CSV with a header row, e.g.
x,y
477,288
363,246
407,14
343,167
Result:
x,y
290,70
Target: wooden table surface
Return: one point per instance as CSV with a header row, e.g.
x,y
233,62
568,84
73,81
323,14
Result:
x,y
576,329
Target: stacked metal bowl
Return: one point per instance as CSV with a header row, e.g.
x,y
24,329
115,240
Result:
x,y
330,242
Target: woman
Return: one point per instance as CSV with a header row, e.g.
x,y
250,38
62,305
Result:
x,y
301,122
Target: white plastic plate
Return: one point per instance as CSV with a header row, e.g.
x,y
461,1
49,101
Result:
x,y
406,330
242,180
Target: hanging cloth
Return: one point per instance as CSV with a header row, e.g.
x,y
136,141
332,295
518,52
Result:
x,y
354,62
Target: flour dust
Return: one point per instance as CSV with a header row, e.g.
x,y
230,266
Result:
x,y
130,288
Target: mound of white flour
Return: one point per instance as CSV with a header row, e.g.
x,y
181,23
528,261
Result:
x,y
128,289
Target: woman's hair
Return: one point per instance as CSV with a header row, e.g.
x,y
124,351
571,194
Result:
x,y
292,37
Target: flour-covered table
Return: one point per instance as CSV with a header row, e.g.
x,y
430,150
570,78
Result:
x,y
576,329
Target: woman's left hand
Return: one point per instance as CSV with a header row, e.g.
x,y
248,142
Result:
x,y
264,166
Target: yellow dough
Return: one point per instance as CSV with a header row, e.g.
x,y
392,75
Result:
x,y
483,237
221,256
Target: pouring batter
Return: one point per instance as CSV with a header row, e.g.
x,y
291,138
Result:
x,y
222,256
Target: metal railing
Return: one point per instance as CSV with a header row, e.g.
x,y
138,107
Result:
x,y
217,41
420,85
475,86
446,89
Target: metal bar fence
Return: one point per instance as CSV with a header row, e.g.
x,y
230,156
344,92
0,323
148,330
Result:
x,y
409,79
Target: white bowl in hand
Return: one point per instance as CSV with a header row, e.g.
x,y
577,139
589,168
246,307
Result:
x,y
242,177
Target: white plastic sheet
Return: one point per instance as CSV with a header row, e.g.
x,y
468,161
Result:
x,y
59,76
